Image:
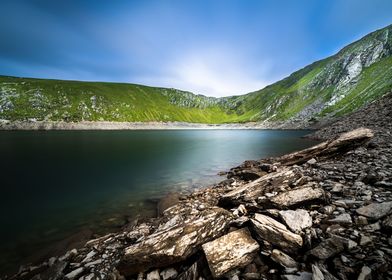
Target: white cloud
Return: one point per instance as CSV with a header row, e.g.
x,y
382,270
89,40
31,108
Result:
x,y
213,72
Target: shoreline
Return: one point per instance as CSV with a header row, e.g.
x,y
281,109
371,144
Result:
x,y
6,125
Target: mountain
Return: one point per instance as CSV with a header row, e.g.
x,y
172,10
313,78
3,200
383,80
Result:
x,y
358,74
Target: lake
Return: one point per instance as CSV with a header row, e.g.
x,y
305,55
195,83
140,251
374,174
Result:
x,y
57,183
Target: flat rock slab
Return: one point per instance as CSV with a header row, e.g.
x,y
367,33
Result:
x,y
176,243
250,192
276,233
327,249
375,211
296,220
300,196
283,259
233,250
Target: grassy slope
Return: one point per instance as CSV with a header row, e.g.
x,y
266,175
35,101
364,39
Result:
x,y
74,101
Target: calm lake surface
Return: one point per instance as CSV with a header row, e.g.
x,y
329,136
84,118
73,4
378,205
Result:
x,y
57,183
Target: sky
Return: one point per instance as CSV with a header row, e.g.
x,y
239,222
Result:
x,y
211,47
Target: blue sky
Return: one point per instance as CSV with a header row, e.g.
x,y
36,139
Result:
x,y
215,47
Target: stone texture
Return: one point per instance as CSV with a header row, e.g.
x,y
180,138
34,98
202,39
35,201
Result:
x,y
327,249
233,250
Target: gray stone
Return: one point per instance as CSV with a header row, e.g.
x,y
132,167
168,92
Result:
x,y
169,273
300,196
296,220
233,250
276,233
153,275
75,273
299,276
366,273
342,219
283,259
320,272
375,210
327,248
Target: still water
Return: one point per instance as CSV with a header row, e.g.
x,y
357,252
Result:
x,y
56,183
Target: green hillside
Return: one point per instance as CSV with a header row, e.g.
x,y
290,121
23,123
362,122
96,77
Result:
x,y
337,85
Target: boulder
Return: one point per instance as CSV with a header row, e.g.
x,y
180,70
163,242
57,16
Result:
x,y
296,220
375,211
175,243
233,250
250,192
276,233
301,196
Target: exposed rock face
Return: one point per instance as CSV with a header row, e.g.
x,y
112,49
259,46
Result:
x,y
231,251
276,233
176,243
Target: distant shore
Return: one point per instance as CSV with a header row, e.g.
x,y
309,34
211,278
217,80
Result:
x,y
107,125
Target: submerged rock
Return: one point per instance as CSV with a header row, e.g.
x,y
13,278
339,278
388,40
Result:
x,y
233,250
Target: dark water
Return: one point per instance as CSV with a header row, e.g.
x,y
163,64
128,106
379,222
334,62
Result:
x,y
56,183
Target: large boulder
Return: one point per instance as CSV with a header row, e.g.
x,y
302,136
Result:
x,y
233,250
276,233
176,243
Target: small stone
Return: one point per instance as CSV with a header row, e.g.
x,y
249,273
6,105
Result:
x,y
343,219
299,276
296,220
337,188
169,273
365,240
283,259
326,249
73,274
375,210
366,273
312,161
153,275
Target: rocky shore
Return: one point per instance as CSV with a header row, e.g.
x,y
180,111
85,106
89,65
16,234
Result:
x,y
106,125
321,213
